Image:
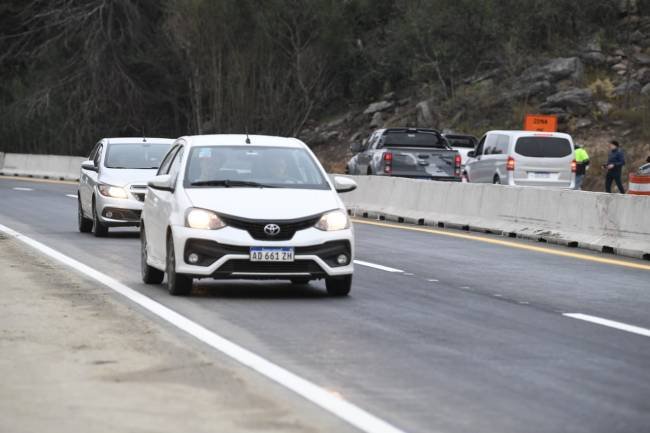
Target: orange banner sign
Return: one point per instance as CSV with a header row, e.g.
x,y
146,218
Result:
x,y
540,122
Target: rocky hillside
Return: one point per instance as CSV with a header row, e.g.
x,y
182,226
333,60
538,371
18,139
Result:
x,y
599,91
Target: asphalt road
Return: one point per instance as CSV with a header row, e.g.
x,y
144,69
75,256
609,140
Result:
x,y
469,336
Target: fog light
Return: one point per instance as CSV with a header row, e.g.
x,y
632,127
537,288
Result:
x,y
109,214
342,259
193,258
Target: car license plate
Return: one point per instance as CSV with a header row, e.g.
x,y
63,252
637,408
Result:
x,y
271,254
539,175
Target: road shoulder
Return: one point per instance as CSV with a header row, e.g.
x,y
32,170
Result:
x,y
77,359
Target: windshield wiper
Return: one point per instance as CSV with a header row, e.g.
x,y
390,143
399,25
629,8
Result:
x,y
230,183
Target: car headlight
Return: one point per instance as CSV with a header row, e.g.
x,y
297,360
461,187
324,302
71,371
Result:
x,y
112,191
203,219
334,220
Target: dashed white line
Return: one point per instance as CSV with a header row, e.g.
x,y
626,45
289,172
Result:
x,y
323,398
611,323
376,266
71,195
20,188
432,280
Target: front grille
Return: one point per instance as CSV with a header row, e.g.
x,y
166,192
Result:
x,y
211,251
255,228
138,191
247,267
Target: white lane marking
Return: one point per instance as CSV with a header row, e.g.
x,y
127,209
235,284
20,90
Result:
x,y
71,195
20,188
611,323
376,266
321,397
431,280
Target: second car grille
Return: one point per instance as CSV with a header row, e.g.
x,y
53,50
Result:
x,y
139,191
256,227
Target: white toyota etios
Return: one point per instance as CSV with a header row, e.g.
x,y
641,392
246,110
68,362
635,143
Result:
x,y
239,207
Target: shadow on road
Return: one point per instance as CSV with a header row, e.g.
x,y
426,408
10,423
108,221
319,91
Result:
x,y
256,290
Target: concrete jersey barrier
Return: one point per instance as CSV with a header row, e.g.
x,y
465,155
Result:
x,y
614,223
45,166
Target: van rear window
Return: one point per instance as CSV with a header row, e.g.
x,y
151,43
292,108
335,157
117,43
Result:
x,y
543,147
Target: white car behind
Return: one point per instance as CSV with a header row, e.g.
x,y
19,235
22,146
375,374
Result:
x,y
239,207
113,181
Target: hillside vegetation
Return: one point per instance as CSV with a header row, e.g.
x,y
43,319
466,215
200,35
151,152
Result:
x,y
74,71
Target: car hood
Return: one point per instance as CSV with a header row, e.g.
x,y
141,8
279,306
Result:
x,y
122,177
264,203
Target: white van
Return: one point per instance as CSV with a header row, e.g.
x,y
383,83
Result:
x,y
525,158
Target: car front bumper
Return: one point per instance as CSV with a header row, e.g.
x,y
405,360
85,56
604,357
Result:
x,y
118,212
224,253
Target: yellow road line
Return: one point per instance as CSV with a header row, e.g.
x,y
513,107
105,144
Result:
x,y
36,179
509,244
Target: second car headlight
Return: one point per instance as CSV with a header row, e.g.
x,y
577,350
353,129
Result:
x,y
203,219
332,221
112,191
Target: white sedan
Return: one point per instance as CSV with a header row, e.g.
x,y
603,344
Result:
x,y
113,182
239,207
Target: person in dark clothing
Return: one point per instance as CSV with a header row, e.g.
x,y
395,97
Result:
x,y
614,166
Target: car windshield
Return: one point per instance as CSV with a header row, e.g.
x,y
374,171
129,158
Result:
x,y
252,166
412,139
543,147
461,141
135,155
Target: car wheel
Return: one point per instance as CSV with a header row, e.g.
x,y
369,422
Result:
x,y
99,229
85,224
150,275
339,286
300,281
496,180
177,284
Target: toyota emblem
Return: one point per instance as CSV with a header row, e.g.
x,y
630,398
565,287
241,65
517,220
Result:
x,y
272,229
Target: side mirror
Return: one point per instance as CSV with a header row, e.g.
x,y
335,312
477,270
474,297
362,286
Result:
x,y
344,184
355,147
163,183
471,154
89,165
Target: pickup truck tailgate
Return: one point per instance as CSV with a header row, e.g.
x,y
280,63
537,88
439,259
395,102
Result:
x,y
419,162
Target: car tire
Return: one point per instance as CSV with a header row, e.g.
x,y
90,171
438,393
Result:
x,y
339,286
496,180
300,281
99,229
150,275
177,284
85,224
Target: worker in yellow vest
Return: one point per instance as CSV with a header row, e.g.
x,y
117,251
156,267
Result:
x,y
582,161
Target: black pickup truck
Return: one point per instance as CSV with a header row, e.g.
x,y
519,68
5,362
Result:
x,y
406,152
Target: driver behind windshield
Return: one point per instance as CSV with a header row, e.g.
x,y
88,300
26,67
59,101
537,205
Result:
x,y
209,165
